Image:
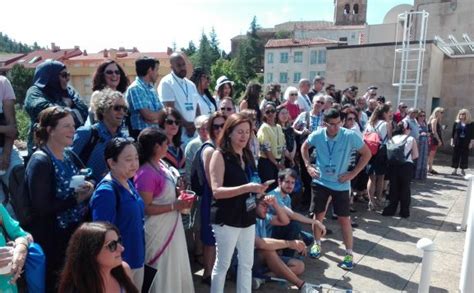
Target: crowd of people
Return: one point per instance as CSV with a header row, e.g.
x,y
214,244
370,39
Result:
x,y
105,181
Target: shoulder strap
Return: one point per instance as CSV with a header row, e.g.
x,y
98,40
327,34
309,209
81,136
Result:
x,y
307,119
116,190
76,160
89,147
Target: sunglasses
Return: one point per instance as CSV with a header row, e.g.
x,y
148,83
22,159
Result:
x,y
294,94
321,102
110,72
65,75
112,245
270,111
118,108
229,109
217,126
172,121
350,119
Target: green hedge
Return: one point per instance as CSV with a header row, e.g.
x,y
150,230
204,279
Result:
x,y
23,123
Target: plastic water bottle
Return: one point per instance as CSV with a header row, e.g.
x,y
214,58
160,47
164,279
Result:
x,y
255,178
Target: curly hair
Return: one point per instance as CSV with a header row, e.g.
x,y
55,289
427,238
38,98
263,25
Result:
x,y
98,81
105,100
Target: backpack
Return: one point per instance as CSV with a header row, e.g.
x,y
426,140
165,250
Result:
x,y
86,152
396,152
372,140
198,174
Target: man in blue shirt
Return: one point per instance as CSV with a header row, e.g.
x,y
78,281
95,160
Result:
x,y
142,97
334,146
266,258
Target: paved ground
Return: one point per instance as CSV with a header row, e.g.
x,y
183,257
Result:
x,y
385,253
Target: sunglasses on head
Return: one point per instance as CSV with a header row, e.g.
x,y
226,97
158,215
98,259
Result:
x,y
270,111
118,108
226,109
172,121
65,74
217,126
110,72
112,245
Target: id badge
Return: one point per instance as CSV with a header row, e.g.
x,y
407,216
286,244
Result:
x,y
330,170
250,203
188,106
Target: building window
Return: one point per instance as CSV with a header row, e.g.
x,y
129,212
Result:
x,y
298,57
283,57
314,57
322,73
312,75
269,77
283,77
356,9
322,57
296,77
270,58
347,9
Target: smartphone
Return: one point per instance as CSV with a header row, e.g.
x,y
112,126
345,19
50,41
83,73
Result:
x,y
269,182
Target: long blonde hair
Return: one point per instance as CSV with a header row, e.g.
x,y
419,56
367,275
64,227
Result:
x,y
466,113
434,115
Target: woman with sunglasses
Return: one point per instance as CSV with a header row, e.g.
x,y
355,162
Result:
x,y
170,121
233,213
166,249
272,146
423,147
436,134
116,201
94,261
90,140
215,126
50,88
57,206
110,75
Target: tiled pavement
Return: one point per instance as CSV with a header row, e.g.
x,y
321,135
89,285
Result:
x,y
385,254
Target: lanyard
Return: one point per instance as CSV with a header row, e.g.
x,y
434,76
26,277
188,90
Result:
x,y
185,91
208,103
330,150
307,101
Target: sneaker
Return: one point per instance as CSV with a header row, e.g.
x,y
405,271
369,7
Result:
x,y
346,263
463,173
315,251
455,172
257,282
310,288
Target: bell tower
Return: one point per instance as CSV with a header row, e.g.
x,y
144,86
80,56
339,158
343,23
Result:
x,y
350,12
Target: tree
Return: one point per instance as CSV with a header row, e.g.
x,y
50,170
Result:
x,y
21,79
191,50
214,42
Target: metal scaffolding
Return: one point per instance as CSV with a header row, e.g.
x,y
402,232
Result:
x,y
409,55
455,49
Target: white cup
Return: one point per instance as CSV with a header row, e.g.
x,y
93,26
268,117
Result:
x,y
76,181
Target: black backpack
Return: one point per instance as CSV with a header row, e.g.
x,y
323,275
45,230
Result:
x,y
198,175
396,152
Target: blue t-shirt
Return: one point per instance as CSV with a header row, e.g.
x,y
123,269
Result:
x,y
262,226
129,219
333,156
283,201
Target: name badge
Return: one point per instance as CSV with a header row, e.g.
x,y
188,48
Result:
x,y
188,106
330,170
250,203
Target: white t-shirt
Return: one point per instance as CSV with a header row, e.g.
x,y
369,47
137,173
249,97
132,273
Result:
x,y
205,105
6,91
304,102
182,92
408,144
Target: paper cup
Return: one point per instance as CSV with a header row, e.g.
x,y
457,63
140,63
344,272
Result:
x,y
76,181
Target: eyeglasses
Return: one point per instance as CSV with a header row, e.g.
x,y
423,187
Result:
x,y
110,72
332,124
112,245
350,119
270,111
217,126
320,102
229,109
404,107
65,74
172,121
118,108
293,94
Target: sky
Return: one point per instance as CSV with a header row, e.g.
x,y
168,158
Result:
x,y
155,25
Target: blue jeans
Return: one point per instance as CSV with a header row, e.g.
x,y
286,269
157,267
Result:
x,y
292,231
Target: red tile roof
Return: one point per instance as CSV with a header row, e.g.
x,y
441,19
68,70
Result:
x,y
120,55
285,43
33,59
7,58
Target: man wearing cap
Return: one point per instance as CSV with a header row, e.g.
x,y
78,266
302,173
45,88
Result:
x,y
318,84
304,101
224,88
142,97
178,92
348,97
401,113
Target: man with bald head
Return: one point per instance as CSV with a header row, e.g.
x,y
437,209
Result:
x,y
178,92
